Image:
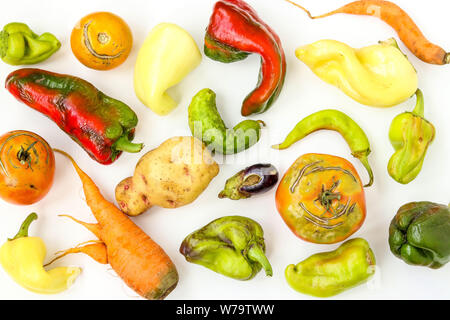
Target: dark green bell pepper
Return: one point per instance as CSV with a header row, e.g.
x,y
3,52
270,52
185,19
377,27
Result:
x,y
19,45
420,234
233,246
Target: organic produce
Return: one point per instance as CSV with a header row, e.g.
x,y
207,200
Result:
x,y
207,125
400,21
170,176
379,75
27,167
321,199
101,40
19,45
410,135
256,179
337,121
233,246
419,234
167,56
329,273
22,258
139,261
234,32
101,125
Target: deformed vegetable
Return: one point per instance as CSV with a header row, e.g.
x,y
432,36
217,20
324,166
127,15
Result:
x,y
400,21
235,31
101,125
337,121
19,45
329,273
256,179
27,167
138,260
207,125
321,198
22,257
170,176
233,246
101,40
419,234
379,75
167,56
410,135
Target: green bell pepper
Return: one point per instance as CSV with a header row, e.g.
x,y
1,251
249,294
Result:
x,y
19,45
410,134
233,246
419,234
329,273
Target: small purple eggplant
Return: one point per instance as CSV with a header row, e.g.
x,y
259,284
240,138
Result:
x,y
255,179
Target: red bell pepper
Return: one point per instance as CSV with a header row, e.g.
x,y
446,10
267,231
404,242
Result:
x,y
101,125
235,31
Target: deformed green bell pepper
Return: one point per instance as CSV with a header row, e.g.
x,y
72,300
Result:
x,y
329,273
410,134
419,234
233,246
19,45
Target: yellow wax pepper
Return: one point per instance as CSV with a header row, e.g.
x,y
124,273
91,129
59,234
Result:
x,y
22,258
379,75
167,56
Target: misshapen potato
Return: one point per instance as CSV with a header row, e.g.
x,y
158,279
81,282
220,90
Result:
x,y
170,176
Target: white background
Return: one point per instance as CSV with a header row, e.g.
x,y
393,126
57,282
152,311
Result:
x,y
303,94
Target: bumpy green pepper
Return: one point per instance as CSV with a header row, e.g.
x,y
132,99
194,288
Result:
x,y
410,135
329,273
207,125
233,246
419,234
19,45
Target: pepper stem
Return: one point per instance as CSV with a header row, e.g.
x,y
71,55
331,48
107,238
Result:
x,y
366,165
124,144
257,254
419,109
23,231
447,58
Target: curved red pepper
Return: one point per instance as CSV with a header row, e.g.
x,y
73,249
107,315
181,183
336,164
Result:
x,y
101,125
235,31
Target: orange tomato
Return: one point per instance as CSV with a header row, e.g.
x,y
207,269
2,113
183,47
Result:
x,y
101,40
321,198
27,167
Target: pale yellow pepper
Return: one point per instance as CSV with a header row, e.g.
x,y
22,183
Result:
x,y
22,258
379,75
167,56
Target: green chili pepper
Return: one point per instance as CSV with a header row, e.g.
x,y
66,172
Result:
x,y
207,125
410,135
233,246
337,121
419,234
19,45
329,273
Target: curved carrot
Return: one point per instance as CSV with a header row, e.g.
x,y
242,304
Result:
x,y
135,257
400,21
94,248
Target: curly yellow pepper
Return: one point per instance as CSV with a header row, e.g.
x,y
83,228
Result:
x,y
167,56
379,75
22,258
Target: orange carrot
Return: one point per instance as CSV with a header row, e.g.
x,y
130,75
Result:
x,y
400,21
134,256
96,250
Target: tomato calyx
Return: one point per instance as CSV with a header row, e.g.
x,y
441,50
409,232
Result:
x,y
24,156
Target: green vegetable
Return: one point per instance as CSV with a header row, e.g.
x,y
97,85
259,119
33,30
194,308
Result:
x,y
207,125
410,135
19,45
329,273
233,246
337,121
419,234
